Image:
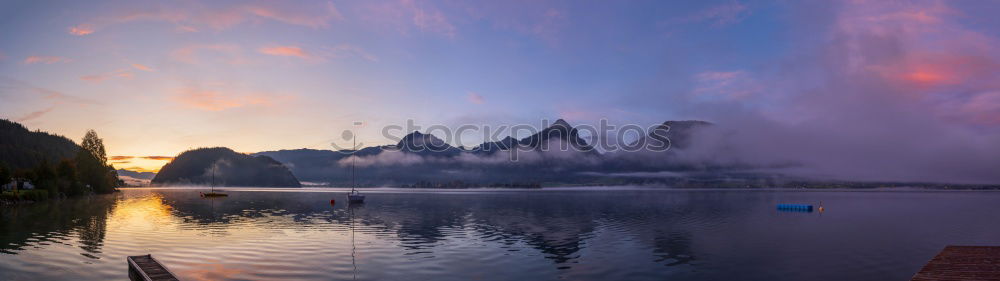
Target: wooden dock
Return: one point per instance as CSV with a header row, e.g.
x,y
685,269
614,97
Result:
x,y
962,263
146,268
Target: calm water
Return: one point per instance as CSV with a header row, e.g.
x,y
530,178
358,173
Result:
x,y
584,234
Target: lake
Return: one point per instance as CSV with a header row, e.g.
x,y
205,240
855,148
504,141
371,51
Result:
x,y
548,234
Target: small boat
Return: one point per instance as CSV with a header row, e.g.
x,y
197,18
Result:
x,y
213,193
795,208
354,197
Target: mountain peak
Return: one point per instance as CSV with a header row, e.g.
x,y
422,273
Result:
x,y
418,142
561,122
418,138
561,130
677,133
490,147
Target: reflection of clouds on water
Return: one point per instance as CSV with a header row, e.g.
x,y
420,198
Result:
x,y
563,228
554,224
212,270
632,234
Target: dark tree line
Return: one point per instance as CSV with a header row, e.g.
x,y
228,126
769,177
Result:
x,y
21,148
85,173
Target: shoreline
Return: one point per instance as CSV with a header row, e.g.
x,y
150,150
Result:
x,y
565,188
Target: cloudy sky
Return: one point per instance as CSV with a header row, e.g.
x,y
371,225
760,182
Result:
x,y
155,78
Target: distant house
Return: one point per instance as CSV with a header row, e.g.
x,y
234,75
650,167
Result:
x,y
21,184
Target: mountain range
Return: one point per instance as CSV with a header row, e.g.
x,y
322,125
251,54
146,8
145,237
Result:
x,y
556,154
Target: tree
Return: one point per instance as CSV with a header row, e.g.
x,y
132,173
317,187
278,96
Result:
x,y
5,174
66,170
90,172
68,184
45,179
44,172
95,146
91,165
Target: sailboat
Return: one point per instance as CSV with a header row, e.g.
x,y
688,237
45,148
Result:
x,y
213,193
354,197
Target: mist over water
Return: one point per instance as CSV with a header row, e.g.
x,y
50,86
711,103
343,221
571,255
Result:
x,y
548,234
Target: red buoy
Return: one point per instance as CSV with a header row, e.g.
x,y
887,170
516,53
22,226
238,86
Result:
x,y
333,202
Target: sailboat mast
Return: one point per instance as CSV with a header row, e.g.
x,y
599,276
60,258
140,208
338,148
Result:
x,y
213,178
353,160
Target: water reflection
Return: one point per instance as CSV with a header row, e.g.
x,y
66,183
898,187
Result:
x,y
554,224
84,219
535,235
673,248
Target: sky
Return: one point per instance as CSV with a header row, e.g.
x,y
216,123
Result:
x,y
155,78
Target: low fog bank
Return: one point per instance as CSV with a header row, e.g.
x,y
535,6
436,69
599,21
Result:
x,y
735,147
864,150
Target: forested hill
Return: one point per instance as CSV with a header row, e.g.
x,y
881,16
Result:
x,y
21,148
225,167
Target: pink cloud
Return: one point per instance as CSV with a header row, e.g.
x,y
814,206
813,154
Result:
x,y
121,73
186,28
45,60
218,100
720,15
186,16
297,17
719,75
53,97
550,26
93,78
34,115
430,19
540,19
142,67
286,51
946,67
983,108
406,15
198,53
732,85
345,50
475,98
319,54
81,30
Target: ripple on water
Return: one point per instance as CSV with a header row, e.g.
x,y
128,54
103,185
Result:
x,y
531,235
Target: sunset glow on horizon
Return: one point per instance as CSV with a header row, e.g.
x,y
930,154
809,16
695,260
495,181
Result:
x,y
499,139
156,78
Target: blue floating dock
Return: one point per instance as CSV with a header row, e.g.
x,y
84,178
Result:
x,y
795,207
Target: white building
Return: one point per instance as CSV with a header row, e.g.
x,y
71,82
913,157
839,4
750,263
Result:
x,y
25,185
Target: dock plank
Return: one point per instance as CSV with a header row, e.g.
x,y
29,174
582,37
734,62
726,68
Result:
x,y
962,263
146,268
